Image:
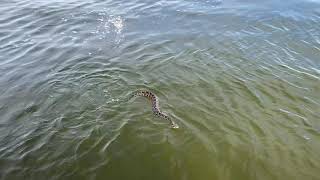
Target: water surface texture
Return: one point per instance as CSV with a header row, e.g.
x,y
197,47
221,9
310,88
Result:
x,y
240,77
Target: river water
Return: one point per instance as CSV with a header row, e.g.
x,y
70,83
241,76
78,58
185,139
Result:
x,y
240,77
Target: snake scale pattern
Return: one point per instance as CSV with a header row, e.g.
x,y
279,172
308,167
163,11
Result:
x,y
155,105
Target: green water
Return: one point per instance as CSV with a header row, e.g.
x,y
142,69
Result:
x,y
240,78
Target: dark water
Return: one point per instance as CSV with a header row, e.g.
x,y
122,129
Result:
x,y
240,77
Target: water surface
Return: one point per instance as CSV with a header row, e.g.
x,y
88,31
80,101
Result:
x,y
240,77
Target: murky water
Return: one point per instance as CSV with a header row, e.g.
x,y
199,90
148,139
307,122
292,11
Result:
x,y
241,78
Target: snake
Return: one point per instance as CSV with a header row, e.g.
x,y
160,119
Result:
x,y
155,105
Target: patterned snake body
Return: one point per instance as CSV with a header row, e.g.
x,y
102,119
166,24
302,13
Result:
x,y
155,106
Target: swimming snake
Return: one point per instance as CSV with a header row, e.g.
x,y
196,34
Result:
x,y
155,105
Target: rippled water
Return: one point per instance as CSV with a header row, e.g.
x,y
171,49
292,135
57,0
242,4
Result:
x,y
240,77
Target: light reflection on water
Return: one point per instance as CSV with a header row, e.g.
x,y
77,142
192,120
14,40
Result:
x,y
241,78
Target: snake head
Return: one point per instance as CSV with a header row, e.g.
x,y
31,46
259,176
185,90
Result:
x,y
174,125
